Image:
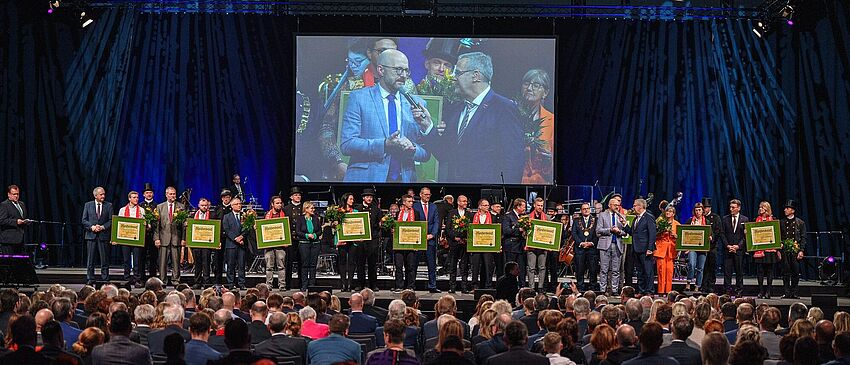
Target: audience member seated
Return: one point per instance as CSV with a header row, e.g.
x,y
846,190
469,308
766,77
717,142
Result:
x,y
360,322
54,343
257,327
89,339
449,326
172,316
745,314
369,307
41,318
335,347
144,315
516,337
714,349
398,311
279,344
495,345
238,340
553,346
309,327
451,353
394,352
23,337
824,334
63,312
806,351
841,349
445,305
679,349
216,339
119,349
650,342
626,347
747,352
541,303
769,339
175,349
198,351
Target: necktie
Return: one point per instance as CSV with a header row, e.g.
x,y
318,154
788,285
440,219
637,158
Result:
x,y
392,118
613,224
18,205
170,211
425,209
98,210
467,113
238,218
734,223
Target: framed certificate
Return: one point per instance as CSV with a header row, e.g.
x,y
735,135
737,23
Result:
x,y
355,227
545,235
410,236
627,240
128,231
484,238
693,237
203,233
273,232
763,236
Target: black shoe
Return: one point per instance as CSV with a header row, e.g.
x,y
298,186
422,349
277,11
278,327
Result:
x,y
452,290
434,291
767,296
760,296
242,287
466,291
786,296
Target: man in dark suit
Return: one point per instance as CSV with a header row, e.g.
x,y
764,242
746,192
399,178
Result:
x,y
483,113
279,344
457,245
627,350
144,315
236,188
97,221
513,240
650,342
293,211
24,336
238,340
370,255
172,315
369,307
54,343
219,256
119,349
197,349
516,336
508,284
257,327
427,210
13,219
643,244
683,326
586,257
62,312
360,322
216,339
734,247
235,244
497,344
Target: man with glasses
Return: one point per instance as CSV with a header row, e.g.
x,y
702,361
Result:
x,y
380,128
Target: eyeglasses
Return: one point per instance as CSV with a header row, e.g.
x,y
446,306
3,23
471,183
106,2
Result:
x,y
380,50
459,73
400,71
536,86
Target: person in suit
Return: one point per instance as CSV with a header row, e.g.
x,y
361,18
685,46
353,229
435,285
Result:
x,y
734,247
643,245
119,349
406,261
334,348
709,273
586,256
131,210
13,219
496,344
97,221
369,307
236,187
427,210
451,353
308,231
457,245
238,340
63,312
198,352
683,326
202,255
610,228
23,335
167,237
147,257
379,130
218,256
483,113
279,344
54,343
294,260
768,323
370,254
257,327
172,315
513,238
360,322
235,244
482,262
516,336
144,315
650,341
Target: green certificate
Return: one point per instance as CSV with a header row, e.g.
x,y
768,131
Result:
x,y
484,238
545,235
128,231
273,232
627,240
763,236
693,237
203,233
355,227
409,236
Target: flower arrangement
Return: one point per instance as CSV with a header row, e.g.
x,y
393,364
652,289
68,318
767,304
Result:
x,y
180,216
525,224
439,86
387,222
459,224
663,226
790,246
151,217
248,220
334,214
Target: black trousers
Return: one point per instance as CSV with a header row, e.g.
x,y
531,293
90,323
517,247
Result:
x,y
127,262
147,260
406,263
217,257
236,265
498,265
762,271
457,256
368,258
790,274
629,268
293,262
348,254
709,272
586,263
733,261
102,249
553,268
483,265
202,265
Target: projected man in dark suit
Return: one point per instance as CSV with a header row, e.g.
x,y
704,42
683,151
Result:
x,y
13,215
482,114
97,221
378,127
733,239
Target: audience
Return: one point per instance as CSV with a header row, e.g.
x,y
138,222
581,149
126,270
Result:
x,y
714,349
516,335
172,317
360,322
198,352
650,342
89,339
678,349
238,340
334,348
281,344
451,353
54,344
119,349
175,349
259,332
309,327
394,351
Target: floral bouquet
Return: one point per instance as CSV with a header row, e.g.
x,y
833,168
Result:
x,y
334,214
151,217
663,226
790,246
180,216
387,223
525,224
248,220
460,224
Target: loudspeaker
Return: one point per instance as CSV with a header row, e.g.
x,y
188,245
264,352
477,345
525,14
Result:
x,y
824,300
319,289
477,293
17,270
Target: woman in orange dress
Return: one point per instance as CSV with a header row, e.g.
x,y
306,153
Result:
x,y
665,251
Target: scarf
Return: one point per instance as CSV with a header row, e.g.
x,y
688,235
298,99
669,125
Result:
x,y
410,215
198,214
127,211
270,214
477,218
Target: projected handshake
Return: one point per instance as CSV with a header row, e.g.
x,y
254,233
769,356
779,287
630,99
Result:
x,y
412,109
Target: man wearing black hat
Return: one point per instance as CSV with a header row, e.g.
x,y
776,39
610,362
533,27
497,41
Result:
x,y
458,256
368,257
217,257
552,263
792,227
709,271
148,256
440,58
293,211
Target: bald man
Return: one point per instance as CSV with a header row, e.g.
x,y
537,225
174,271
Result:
x,y
41,317
360,322
381,129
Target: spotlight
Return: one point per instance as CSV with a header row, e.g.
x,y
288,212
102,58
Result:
x,y
52,5
85,20
828,270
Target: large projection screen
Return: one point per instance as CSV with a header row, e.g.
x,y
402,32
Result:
x,y
392,109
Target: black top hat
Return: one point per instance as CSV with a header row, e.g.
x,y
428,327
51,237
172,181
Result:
x,y
551,205
790,203
294,190
225,192
444,48
148,187
368,191
706,202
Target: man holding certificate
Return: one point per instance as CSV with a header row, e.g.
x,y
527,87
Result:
x,y
459,220
133,210
202,255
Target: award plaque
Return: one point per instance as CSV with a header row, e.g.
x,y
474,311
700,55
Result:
x,y
484,238
128,231
545,235
763,236
273,232
355,227
693,237
409,236
203,233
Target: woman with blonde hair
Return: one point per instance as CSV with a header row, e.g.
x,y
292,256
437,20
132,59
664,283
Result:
x,y
653,310
604,340
485,299
841,321
451,327
748,332
765,259
89,338
485,331
815,315
801,328
335,304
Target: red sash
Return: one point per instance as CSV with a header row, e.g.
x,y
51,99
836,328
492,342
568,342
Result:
x,y
198,214
127,211
280,214
410,215
700,222
542,215
477,218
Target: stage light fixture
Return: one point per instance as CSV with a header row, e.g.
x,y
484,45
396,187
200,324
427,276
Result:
x,y
762,28
828,270
85,19
52,5
419,7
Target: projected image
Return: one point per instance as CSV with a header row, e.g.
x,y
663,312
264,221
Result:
x,y
424,110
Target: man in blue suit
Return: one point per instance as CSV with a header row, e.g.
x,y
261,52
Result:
x,y
334,348
483,114
97,221
379,130
424,208
360,322
235,244
643,244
